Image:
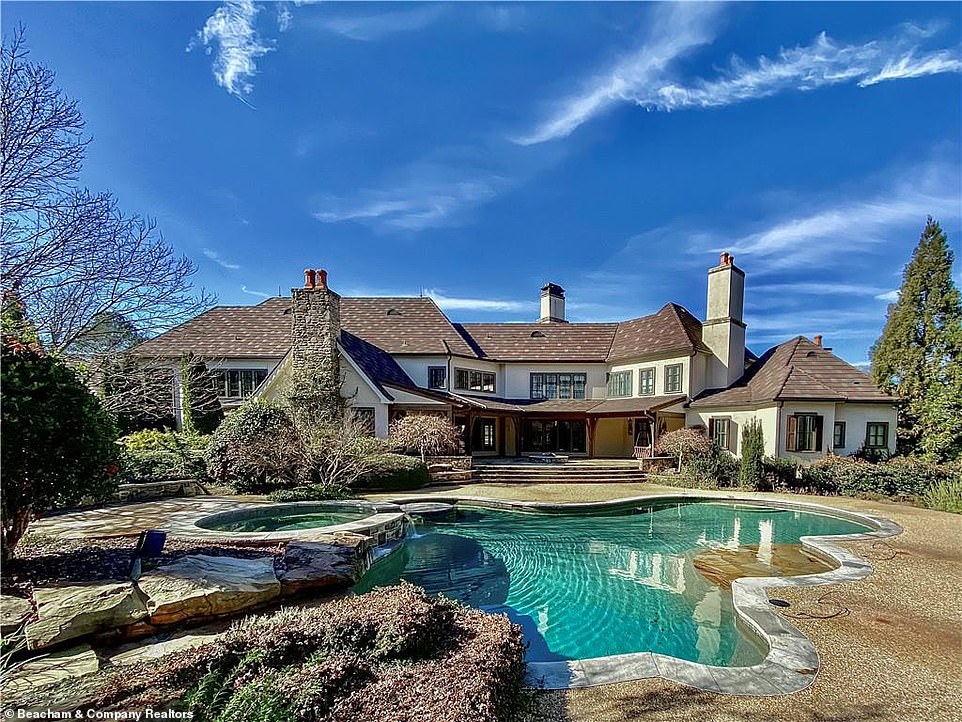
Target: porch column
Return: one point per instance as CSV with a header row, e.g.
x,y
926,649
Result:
x,y
517,436
501,432
592,422
468,433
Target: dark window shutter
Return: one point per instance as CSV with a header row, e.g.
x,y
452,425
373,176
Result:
x,y
732,433
791,434
711,429
818,432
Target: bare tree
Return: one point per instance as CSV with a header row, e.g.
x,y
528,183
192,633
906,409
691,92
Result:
x,y
72,255
427,433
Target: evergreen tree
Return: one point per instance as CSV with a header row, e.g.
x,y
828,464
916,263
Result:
x,y
752,472
919,354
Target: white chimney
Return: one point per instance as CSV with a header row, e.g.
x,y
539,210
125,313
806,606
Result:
x,y
552,304
724,330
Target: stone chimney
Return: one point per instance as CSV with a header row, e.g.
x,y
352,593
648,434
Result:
x,y
724,330
552,304
315,332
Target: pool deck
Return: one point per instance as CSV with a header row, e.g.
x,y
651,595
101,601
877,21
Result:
x,y
890,644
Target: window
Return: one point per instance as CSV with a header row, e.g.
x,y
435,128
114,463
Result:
x,y
720,430
471,380
483,438
877,435
646,379
558,386
673,379
437,377
838,435
364,416
804,433
237,383
619,383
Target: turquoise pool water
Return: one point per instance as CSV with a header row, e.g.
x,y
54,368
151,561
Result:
x,y
584,586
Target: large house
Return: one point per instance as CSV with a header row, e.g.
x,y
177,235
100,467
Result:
x,y
591,389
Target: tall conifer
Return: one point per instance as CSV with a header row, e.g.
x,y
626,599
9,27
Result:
x,y
919,354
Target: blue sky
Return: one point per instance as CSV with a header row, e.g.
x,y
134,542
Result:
x,y
475,151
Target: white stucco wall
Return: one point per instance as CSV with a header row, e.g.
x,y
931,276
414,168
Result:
x,y
517,377
659,364
417,367
358,394
856,416
768,416
823,409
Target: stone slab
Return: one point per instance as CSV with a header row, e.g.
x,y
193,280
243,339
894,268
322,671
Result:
x,y
310,566
199,586
49,669
14,612
73,611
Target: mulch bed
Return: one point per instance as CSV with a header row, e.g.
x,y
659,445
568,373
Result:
x,y
44,561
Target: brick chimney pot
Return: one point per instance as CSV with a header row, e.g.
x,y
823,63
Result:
x,y
818,340
322,278
309,278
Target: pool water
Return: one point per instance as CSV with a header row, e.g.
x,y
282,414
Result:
x,y
654,578
288,521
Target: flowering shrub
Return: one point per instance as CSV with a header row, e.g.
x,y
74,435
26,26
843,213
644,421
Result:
x,y
700,461
426,433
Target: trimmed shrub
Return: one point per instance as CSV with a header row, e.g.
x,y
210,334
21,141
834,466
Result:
x,y
58,440
256,449
702,463
780,473
152,455
395,472
901,477
752,471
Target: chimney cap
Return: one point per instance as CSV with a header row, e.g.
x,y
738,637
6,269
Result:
x,y
552,289
726,259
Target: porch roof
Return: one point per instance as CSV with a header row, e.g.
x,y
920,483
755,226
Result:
x,y
583,407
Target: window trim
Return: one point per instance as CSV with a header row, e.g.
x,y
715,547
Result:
x,y
885,434
444,374
458,371
654,380
681,382
222,375
717,422
629,373
575,376
835,435
792,432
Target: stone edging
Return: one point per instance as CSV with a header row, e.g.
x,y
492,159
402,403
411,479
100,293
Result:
x,y
792,662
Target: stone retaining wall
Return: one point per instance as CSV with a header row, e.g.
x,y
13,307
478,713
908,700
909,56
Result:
x,y
460,463
148,491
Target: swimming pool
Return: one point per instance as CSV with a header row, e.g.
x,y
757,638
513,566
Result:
x,y
651,577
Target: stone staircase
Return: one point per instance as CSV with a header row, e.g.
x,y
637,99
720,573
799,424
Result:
x,y
572,473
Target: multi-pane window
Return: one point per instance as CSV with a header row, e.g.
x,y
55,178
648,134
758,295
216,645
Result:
x,y
646,382
437,377
877,435
471,380
619,383
838,435
237,383
484,436
558,386
673,379
804,432
721,432
364,416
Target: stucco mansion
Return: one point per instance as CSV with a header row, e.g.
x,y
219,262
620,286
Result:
x,y
590,389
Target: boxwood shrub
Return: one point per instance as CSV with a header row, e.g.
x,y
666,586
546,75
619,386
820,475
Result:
x,y
395,472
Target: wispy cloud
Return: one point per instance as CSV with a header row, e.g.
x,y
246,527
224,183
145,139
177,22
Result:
x,y
422,195
644,79
230,35
251,292
854,224
372,27
819,289
677,29
453,303
216,258
888,296
285,18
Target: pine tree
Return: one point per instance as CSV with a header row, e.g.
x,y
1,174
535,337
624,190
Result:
x,y
919,354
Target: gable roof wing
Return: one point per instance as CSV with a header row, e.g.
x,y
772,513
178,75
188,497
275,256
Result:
x,y
671,328
794,371
565,342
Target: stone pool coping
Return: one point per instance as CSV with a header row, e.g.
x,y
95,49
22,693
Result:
x,y
383,517
792,661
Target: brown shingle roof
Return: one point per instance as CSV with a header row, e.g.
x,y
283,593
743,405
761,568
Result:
x,y
593,407
261,331
796,370
395,325
584,342
672,328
